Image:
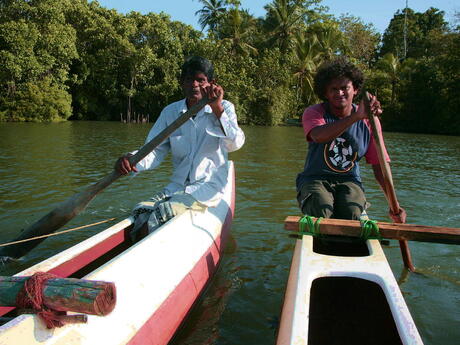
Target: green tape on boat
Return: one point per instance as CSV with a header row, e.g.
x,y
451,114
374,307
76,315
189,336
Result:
x,y
370,230
307,226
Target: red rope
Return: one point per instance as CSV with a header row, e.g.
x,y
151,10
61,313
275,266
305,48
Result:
x,y
31,297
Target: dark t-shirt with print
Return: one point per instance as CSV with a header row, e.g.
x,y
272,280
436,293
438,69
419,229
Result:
x,y
339,159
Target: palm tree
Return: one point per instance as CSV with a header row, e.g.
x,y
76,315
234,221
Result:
x,y
395,69
308,56
211,13
237,29
282,21
332,41
390,64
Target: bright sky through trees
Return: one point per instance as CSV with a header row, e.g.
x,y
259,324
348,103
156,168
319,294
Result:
x,y
378,12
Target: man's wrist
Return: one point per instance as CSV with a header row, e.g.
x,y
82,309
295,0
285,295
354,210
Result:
x,y
218,110
355,117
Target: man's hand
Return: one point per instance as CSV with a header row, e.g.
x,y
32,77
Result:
x,y
375,107
215,94
399,217
123,166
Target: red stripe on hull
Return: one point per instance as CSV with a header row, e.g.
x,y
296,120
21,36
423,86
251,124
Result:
x,y
5,310
85,258
162,325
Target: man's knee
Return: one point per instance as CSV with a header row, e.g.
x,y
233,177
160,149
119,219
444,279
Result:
x,y
350,201
350,211
315,199
316,207
151,215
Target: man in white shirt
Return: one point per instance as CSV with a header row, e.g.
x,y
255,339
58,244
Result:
x,y
199,148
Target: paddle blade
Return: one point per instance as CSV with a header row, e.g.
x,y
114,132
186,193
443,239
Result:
x,y
54,220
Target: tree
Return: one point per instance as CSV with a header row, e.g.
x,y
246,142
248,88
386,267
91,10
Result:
x,y
331,40
307,58
102,44
128,64
237,29
429,101
418,26
156,61
38,101
391,66
285,18
361,39
211,14
36,48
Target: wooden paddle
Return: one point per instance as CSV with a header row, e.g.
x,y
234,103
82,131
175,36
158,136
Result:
x,y
68,209
388,180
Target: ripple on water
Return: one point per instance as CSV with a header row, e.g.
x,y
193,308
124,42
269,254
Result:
x,y
246,294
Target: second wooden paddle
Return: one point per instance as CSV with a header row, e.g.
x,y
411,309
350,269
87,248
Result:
x,y
388,180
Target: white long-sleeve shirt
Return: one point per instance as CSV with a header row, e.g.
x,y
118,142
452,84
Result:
x,y
199,150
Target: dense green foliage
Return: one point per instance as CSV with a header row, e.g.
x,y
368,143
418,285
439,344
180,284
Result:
x,y
74,59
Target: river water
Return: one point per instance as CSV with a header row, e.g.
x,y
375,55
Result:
x,y
43,164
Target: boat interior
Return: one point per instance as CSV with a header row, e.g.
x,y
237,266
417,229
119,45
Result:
x,y
348,310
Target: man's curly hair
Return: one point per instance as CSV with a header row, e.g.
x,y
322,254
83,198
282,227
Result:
x,y
338,68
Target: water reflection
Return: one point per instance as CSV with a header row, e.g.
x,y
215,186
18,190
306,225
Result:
x,y
41,165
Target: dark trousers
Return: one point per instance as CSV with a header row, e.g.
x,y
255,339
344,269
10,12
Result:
x,y
340,200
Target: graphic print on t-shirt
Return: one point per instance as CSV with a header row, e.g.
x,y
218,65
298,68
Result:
x,y
341,153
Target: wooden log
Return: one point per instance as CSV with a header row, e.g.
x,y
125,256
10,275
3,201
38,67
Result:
x,y
65,294
393,231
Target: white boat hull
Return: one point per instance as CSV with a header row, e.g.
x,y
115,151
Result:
x,y
157,279
307,266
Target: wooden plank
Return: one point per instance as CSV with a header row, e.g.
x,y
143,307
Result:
x,y
393,231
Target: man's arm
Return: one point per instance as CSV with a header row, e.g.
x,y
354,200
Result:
x,y
216,92
232,135
400,216
154,158
328,132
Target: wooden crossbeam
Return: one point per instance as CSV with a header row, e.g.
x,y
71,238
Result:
x,y
393,231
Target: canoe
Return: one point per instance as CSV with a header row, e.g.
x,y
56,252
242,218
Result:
x,y
343,292
158,279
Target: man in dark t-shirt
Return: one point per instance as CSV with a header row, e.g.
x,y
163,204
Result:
x,y
339,135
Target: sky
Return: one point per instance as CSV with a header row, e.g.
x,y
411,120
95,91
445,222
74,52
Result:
x,y
376,12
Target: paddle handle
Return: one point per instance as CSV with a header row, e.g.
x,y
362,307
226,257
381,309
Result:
x,y
387,179
165,133
386,172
